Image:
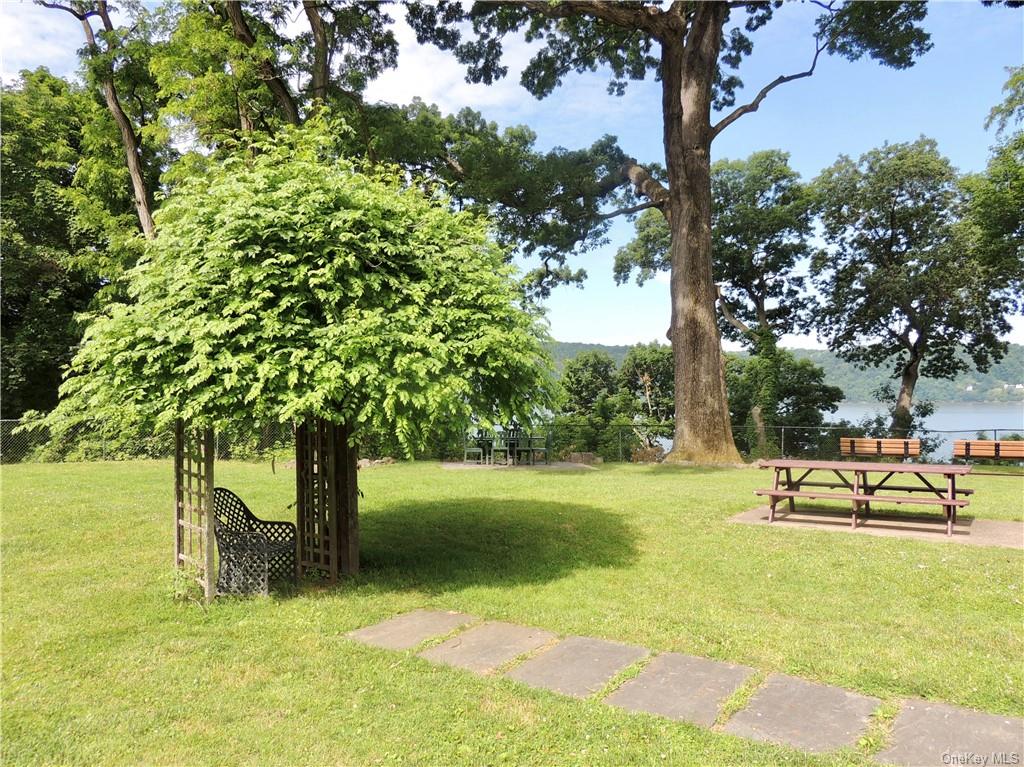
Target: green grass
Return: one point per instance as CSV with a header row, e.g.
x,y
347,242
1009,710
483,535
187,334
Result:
x,y
102,666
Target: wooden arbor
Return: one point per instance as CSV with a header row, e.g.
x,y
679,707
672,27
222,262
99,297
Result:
x,y
326,501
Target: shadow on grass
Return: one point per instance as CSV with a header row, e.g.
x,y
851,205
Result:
x,y
472,541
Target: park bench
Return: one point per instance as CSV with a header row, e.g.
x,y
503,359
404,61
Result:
x,y
869,447
857,486
999,449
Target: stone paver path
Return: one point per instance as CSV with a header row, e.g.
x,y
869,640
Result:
x,y
412,629
934,733
813,717
577,666
786,710
484,648
681,687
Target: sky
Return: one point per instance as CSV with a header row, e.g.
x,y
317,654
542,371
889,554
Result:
x,y
845,108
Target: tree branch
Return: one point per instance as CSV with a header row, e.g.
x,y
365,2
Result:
x,y
630,210
647,18
737,113
643,182
81,16
731,318
242,33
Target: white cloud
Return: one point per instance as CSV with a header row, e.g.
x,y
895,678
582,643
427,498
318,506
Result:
x,y
32,36
434,76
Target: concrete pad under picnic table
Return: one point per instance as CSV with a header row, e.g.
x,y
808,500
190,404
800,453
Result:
x,y
809,716
939,734
681,687
404,632
971,531
484,648
577,666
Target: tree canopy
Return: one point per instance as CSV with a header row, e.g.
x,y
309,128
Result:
x,y
286,282
900,282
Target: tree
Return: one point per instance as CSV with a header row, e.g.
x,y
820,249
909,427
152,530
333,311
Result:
x,y
321,291
117,64
587,379
42,289
993,224
901,283
760,226
646,377
688,47
802,399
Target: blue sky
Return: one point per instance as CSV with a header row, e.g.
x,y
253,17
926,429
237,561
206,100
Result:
x,y
845,108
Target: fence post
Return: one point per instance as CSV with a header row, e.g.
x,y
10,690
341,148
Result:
x,y
995,434
619,430
782,442
103,446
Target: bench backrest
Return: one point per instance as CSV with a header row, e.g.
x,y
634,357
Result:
x,y
989,448
867,446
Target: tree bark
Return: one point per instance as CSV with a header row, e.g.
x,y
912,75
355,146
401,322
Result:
x,y
703,433
321,60
902,419
268,72
129,140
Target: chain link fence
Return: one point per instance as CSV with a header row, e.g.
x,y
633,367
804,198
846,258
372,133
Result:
x,y
91,442
617,440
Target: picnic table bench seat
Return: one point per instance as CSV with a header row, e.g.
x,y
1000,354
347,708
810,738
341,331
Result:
x,y
865,497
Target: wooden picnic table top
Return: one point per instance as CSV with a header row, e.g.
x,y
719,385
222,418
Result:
x,y
946,469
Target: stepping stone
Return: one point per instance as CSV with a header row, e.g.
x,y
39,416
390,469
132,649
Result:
x,y
935,733
681,687
577,666
406,631
809,716
484,648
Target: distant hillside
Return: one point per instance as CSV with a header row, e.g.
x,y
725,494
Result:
x,y
998,385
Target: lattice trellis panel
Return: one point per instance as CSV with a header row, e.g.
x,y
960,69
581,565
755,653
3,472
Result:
x,y
193,504
326,499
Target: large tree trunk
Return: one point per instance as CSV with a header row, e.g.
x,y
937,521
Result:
x,y
702,430
901,415
129,140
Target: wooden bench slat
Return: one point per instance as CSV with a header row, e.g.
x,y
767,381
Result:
x,y
867,446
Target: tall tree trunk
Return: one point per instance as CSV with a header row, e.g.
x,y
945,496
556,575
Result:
x,y
702,430
321,60
901,415
232,11
129,140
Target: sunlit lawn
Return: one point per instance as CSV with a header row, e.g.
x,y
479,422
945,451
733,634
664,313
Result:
x,y
102,666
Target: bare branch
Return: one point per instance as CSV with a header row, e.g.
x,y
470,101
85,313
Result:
x,y
80,15
632,209
753,105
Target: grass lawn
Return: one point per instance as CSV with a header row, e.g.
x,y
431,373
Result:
x,y
102,666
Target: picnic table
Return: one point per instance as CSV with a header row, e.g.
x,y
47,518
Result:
x,y
860,483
